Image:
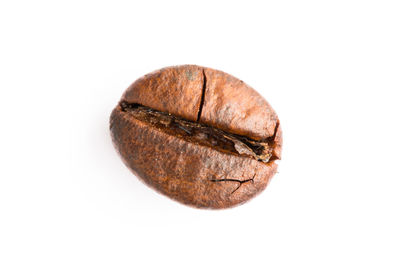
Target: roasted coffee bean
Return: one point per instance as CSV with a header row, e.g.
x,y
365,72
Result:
x,y
197,135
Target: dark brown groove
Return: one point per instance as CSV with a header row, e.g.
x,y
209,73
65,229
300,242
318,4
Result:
x,y
256,149
203,92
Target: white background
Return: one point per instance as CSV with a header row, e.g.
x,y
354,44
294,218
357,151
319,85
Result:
x,y
331,70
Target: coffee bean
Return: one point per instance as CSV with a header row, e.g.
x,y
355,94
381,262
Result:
x,y
198,135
